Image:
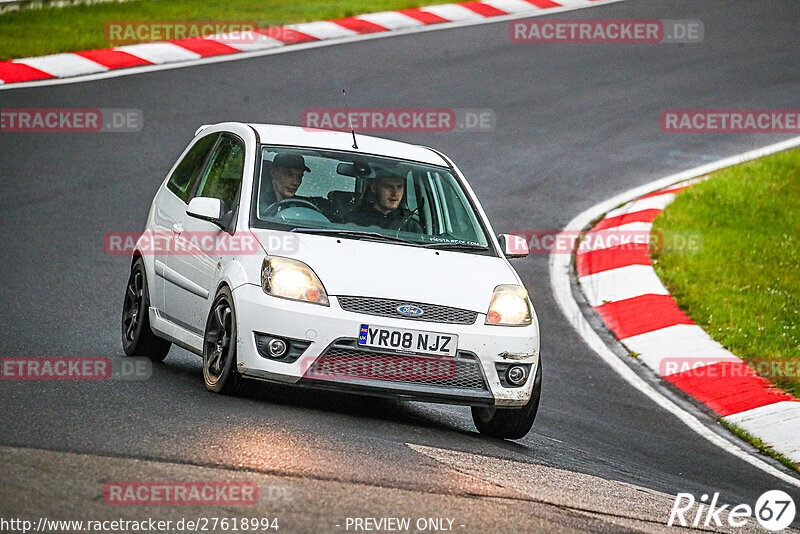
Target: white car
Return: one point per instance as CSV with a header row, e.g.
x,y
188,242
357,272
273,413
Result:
x,y
335,260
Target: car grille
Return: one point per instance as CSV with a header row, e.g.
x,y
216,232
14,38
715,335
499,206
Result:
x,y
388,308
343,364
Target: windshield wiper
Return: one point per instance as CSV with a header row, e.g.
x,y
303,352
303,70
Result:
x,y
376,236
356,234
456,246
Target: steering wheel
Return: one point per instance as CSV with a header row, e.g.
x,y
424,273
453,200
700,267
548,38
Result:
x,y
275,207
405,220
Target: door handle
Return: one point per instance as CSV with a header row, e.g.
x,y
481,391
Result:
x,y
177,228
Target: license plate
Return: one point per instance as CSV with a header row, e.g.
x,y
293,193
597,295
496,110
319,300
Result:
x,y
416,341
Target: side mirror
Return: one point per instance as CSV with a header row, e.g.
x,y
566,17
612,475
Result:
x,y
513,246
207,209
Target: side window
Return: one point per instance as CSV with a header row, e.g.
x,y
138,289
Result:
x,y
223,176
185,175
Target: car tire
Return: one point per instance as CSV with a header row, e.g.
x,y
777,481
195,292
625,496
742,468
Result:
x,y
137,337
510,423
219,347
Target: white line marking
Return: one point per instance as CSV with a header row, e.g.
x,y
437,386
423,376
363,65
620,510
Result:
x,y
658,202
511,6
624,234
245,40
678,343
452,12
560,274
63,64
322,29
621,283
572,3
391,20
535,12
777,424
159,53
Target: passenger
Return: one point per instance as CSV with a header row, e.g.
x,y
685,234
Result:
x,y
385,211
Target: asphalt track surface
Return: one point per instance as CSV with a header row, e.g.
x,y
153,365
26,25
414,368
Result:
x,y
576,124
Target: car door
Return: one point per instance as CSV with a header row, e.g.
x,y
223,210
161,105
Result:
x,y
170,203
197,257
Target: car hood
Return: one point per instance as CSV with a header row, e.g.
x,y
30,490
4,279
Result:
x,y
386,270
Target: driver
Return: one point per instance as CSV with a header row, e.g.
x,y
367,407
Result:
x,y
282,178
286,171
385,211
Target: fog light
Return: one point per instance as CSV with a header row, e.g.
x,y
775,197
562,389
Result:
x,y
276,347
516,375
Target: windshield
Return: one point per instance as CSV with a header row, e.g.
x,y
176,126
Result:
x,y
363,196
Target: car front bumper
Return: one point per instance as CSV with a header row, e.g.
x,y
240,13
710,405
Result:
x,y
333,359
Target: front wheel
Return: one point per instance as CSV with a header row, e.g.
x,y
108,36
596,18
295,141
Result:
x,y
510,423
137,337
219,347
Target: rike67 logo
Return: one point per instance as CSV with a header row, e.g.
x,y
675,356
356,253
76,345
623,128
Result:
x,y
774,510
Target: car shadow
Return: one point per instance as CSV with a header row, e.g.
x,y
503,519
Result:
x,y
188,367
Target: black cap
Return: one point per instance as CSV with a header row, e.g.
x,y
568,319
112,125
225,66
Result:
x,y
290,161
386,173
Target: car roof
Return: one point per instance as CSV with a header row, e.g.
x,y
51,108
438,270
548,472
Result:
x,y
273,134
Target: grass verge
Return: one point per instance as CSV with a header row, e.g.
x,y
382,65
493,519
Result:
x,y
742,284
760,445
36,32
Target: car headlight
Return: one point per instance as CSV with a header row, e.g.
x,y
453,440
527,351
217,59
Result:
x,y
292,279
509,306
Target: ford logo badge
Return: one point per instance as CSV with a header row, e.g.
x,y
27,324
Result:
x,y
411,311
